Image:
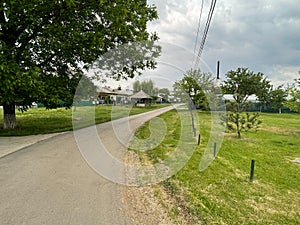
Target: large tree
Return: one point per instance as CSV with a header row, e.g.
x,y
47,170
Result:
x,y
242,83
195,87
46,45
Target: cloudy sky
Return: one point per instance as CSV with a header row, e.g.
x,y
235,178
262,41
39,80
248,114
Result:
x,y
262,35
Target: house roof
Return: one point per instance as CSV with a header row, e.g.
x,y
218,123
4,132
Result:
x,y
105,90
109,91
140,95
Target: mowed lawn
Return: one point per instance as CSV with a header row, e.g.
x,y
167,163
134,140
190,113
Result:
x,y
222,194
43,121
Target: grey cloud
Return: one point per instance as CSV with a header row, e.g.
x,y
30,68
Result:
x,y
258,34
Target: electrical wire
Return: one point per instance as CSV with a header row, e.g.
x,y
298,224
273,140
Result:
x,y
207,25
198,29
205,32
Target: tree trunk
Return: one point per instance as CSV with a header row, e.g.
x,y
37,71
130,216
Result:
x,y
279,110
10,120
239,134
237,123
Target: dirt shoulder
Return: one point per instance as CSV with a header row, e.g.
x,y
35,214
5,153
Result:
x,y
142,203
143,207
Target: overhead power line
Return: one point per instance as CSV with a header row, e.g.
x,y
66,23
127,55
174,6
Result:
x,y
199,24
207,25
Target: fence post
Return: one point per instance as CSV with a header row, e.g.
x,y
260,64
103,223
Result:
x,y
252,170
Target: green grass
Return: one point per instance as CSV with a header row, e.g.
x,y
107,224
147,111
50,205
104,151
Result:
x,y
167,146
222,194
43,121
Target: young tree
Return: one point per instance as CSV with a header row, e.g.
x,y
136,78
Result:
x,y
241,84
46,45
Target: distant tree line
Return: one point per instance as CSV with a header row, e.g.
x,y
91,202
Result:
x,y
196,85
149,88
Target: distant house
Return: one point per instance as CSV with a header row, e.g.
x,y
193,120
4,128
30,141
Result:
x,y
174,99
141,99
159,99
106,95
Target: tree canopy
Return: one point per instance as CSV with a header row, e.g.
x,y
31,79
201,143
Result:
x,y
242,83
277,98
195,86
47,45
293,103
147,86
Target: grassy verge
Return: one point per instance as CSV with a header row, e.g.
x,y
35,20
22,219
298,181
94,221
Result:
x,y
43,121
222,194
169,143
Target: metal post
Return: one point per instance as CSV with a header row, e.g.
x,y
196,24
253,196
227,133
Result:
x,y
218,81
252,170
218,70
215,149
199,138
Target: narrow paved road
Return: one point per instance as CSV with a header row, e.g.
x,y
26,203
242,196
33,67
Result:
x,y
51,183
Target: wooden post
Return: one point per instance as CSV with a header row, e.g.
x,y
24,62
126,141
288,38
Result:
x,y
199,138
252,170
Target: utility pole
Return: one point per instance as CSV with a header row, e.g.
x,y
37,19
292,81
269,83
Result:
x,y
218,80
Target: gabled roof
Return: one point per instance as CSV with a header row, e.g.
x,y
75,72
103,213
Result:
x,y
140,95
109,91
104,90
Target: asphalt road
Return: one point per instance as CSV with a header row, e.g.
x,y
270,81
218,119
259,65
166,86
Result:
x,y
50,182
